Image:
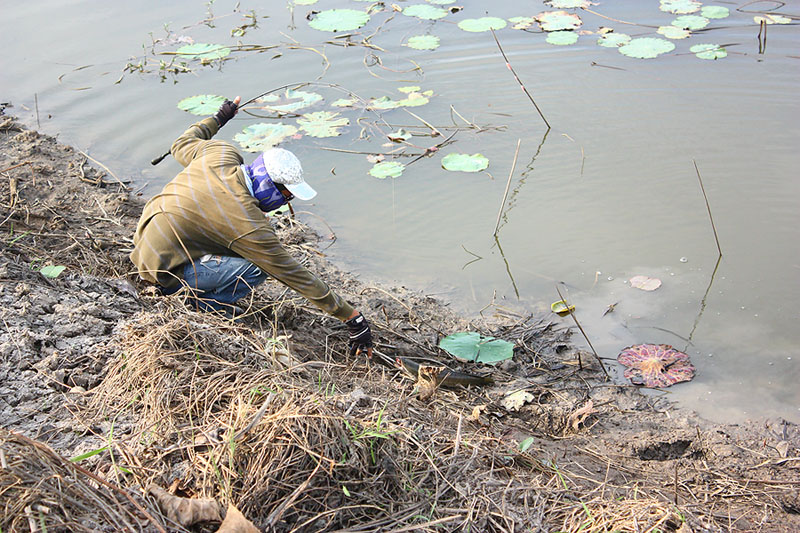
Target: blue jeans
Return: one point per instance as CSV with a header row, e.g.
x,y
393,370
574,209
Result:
x,y
220,280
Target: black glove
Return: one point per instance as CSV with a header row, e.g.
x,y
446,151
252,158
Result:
x,y
360,334
225,113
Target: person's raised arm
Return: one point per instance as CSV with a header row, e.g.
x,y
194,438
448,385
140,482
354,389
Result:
x,y
185,147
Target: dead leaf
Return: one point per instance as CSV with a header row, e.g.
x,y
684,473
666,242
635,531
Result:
x,y
783,448
428,381
185,511
645,283
579,415
235,522
476,413
515,400
375,158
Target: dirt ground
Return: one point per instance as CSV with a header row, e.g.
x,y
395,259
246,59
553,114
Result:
x,y
140,391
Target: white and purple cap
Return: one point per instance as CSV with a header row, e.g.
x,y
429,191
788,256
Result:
x,y
283,167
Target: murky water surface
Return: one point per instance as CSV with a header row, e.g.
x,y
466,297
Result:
x,y
609,193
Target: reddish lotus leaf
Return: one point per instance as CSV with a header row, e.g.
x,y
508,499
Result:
x,y
655,365
645,283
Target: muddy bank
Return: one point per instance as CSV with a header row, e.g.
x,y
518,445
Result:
x,y
271,415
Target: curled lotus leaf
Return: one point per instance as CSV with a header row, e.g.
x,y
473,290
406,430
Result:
x,y
322,123
562,38
339,20
655,365
715,12
482,24
690,22
289,102
673,32
203,51
680,7
522,23
709,51
771,19
614,40
464,162
558,20
425,11
567,4
261,136
645,283
423,42
202,104
646,47
387,169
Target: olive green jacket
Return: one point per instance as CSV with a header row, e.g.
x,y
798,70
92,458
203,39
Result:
x,y
207,209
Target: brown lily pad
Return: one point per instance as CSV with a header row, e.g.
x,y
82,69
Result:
x,y
655,365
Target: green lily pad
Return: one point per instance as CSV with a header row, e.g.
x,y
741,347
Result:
x,y
715,12
673,32
344,102
423,42
441,2
482,24
305,2
425,11
322,123
387,169
465,162
522,23
203,51
646,47
562,38
690,22
51,271
558,20
708,51
409,89
289,102
261,136
471,346
771,19
679,7
414,98
567,4
613,40
202,104
339,20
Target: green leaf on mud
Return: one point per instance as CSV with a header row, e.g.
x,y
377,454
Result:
x,y
202,104
289,102
322,123
567,4
708,51
425,11
387,169
339,20
88,454
690,22
715,12
471,346
562,38
524,445
464,162
771,19
613,40
261,136
203,51
482,24
51,271
672,32
423,42
679,7
522,23
558,20
646,47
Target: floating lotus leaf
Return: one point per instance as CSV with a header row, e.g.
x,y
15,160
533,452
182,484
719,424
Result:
x,y
387,169
203,51
261,136
673,32
344,102
322,123
772,19
655,365
399,135
465,162
522,23
558,20
715,12
414,98
289,102
679,7
482,24
646,47
471,346
613,40
709,51
425,11
409,89
645,283
339,20
690,22
561,308
567,4
441,2
562,37
423,42
305,2
202,104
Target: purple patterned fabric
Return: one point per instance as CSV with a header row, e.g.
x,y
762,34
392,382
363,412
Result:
x,y
268,196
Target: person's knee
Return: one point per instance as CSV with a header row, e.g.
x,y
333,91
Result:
x,y
253,275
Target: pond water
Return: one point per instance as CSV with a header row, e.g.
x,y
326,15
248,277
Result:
x,y
610,192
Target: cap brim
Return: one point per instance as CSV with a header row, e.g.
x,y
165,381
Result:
x,y
302,190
